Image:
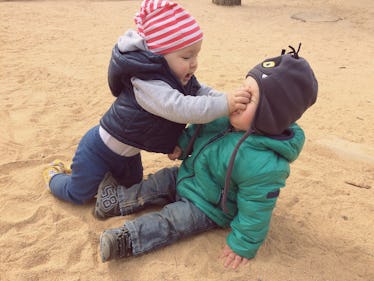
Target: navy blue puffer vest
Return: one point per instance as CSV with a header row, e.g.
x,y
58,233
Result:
x,y
126,120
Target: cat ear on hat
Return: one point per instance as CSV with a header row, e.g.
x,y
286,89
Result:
x,y
271,63
295,53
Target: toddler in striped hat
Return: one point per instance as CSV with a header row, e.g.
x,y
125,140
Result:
x,y
166,27
151,74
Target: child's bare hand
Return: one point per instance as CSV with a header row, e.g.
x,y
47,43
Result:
x,y
238,99
176,153
232,259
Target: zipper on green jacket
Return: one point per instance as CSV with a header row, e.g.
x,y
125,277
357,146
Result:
x,y
216,137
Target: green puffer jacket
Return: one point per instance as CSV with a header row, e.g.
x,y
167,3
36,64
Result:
x,y
260,170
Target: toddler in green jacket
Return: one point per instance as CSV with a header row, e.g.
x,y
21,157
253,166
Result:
x,y
230,176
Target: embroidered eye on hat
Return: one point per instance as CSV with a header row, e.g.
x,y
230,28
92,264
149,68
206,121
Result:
x,y
166,26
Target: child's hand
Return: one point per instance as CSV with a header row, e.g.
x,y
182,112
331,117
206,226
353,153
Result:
x,y
176,153
239,99
232,259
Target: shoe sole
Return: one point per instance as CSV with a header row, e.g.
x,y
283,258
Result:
x,y
108,180
105,246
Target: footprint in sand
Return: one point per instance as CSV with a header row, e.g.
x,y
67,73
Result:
x,y
315,16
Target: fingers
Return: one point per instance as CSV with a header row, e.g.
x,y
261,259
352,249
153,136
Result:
x,y
176,153
244,94
240,107
171,156
245,261
232,259
235,261
229,259
239,99
239,261
243,99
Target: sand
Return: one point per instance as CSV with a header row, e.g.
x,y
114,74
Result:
x,y
53,88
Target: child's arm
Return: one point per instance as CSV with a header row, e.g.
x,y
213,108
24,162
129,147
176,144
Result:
x,y
236,100
256,199
158,98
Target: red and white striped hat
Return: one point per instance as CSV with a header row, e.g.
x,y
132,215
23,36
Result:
x,y
166,26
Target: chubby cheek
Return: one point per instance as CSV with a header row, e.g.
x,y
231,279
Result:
x,y
184,69
242,120
237,121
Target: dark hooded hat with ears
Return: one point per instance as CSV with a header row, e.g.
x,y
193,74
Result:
x,y
288,88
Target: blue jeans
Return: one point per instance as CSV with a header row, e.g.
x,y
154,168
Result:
x,y
92,160
178,219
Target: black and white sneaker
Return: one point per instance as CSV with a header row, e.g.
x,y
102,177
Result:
x,y
107,204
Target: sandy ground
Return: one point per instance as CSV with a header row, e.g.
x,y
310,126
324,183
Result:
x,y
53,66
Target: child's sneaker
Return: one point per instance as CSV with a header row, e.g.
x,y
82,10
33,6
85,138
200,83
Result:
x,y
54,168
115,243
65,168
107,204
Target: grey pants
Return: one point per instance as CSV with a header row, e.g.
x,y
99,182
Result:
x,y
177,219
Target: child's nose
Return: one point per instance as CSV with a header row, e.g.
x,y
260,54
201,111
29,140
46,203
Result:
x,y
193,63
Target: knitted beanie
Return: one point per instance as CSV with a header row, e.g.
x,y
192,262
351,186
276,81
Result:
x,y
166,26
288,88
